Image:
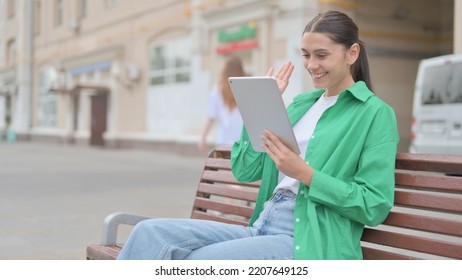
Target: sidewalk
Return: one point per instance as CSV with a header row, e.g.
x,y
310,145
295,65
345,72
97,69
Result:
x,y
54,198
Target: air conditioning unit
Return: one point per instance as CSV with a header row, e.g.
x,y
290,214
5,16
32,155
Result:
x,y
133,72
74,25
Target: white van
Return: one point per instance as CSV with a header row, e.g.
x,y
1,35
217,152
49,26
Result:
x,y
437,108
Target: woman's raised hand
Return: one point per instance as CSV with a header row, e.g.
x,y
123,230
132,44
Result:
x,y
282,75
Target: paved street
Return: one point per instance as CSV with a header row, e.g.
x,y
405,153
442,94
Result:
x,y
54,198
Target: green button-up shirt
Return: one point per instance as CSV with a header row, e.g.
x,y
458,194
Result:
x,y
352,152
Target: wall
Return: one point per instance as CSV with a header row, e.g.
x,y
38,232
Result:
x,y
393,80
457,26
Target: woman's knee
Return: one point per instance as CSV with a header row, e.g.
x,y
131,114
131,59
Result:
x,y
150,227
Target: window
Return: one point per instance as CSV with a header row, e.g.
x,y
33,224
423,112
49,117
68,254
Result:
x,y
47,99
8,110
37,18
110,3
82,8
59,12
11,51
442,84
170,62
11,8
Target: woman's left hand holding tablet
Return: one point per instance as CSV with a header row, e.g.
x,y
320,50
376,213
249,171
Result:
x,y
286,161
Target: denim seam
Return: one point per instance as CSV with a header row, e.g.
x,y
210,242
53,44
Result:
x,y
182,244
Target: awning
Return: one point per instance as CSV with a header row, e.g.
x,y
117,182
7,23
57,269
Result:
x,y
78,88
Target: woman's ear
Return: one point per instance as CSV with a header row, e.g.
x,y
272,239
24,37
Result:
x,y
353,53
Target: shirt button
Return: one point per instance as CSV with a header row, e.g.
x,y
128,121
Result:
x,y
302,192
297,220
307,162
312,137
245,142
297,247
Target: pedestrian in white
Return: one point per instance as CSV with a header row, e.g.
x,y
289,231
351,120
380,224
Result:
x,y
222,107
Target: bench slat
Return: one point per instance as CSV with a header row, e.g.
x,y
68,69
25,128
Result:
x,y
206,216
231,191
431,182
450,164
226,177
432,201
413,242
429,224
376,254
218,163
102,252
223,151
224,207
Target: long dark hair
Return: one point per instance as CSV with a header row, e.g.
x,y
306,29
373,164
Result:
x,y
233,68
341,29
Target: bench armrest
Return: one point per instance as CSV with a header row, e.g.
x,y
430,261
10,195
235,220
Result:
x,y
112,222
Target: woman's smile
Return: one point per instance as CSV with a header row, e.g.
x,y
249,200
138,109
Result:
x,y
318,76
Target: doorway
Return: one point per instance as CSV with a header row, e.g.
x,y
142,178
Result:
x,y
98,118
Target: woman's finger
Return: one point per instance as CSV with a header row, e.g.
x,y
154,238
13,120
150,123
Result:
x,y
281,71
273,139
288,71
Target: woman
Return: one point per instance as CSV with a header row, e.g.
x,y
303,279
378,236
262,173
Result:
x,y
313,205
222,107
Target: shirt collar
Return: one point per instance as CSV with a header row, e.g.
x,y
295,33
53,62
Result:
x,y
359,90
308,97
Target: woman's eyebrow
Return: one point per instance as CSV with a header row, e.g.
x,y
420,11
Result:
x,y
315,51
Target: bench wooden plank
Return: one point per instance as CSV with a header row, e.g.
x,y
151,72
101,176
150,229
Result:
x,y
430,182
450,164
226,177
218,163
413,242
230,191
424,223
224,207
102,252
432,201
376,254
206,216
221,151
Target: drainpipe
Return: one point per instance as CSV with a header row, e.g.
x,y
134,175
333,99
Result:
x,y
457,27
31,62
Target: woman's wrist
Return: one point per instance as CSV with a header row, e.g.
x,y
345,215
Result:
x,y
307,175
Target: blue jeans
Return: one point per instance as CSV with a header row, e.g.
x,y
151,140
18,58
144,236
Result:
x,y
270,237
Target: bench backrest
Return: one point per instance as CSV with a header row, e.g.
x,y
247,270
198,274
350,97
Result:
x,y
425,223
220,197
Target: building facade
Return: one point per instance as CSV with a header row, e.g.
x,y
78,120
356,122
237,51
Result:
x,y
122,73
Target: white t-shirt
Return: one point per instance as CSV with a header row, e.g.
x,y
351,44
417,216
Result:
x,y
229,122
303,131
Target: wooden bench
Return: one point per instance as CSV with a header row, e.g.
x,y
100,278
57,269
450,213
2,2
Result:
x,y
425,223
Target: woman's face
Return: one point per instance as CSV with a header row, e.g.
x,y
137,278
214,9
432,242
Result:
x,y
328,62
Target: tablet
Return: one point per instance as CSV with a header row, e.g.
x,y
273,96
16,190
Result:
x,y
261,106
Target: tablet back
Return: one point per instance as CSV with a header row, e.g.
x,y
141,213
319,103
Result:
x,y
261,106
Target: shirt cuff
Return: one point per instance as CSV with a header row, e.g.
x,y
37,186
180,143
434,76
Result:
x,y
327,190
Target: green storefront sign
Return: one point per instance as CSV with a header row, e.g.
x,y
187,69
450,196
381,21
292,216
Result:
x,y
243,32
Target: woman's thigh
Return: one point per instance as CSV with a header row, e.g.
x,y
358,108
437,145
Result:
x,y
176,238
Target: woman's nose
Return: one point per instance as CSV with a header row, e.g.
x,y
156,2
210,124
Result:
x,y
311,64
